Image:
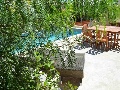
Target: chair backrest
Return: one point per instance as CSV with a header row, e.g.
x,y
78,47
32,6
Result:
x,y
104,34
118,36
98,34
84,29
90,33
110,36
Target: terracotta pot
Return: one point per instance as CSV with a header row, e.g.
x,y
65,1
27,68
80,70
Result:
x,y
82,23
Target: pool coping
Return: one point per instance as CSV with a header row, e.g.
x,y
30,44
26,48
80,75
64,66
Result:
x,y
77,27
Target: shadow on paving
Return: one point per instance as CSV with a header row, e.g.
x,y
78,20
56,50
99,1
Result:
x,y
94,51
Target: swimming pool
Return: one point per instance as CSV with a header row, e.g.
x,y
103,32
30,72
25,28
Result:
x,y
54,37
68,34
27,43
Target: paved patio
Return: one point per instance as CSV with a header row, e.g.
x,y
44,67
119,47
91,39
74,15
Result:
x,y
101,70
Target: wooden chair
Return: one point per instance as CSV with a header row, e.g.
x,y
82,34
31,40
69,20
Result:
x,y
102,38
112,43
84,31
92,40
117,40
98,38
111,39
87,35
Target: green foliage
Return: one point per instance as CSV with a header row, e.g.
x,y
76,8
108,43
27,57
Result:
x,y
22,62
94,9
69,86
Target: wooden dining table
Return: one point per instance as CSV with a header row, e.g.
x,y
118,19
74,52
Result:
x,y
113,29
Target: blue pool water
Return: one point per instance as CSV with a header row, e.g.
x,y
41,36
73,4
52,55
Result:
x,y
48,37
54,37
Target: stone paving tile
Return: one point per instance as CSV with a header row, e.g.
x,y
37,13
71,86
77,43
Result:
x,y
101,70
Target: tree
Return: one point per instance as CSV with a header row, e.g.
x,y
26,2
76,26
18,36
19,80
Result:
x,y
21,60
95,9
